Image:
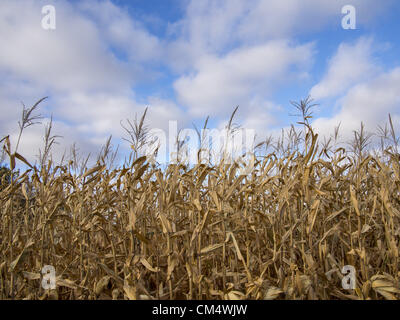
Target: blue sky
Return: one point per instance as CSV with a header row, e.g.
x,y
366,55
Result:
x,y
187,59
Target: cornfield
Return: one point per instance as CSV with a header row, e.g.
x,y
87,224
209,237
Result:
x,y
284,231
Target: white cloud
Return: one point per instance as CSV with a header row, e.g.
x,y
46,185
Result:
x,y
231,53
369,102
122,32
215,27
267,19
259,115
88,119
224,53
351,64
71,57
219,84
90,87
102,113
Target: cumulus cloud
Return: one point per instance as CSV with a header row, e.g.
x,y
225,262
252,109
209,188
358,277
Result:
x,y
219,54
220,83
351,64
122,32
102,113
215,27
90,87
71,57
259,115
32,141
274,18
369,101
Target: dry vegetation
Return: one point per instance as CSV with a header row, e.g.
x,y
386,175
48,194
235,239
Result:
x,y
205,232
